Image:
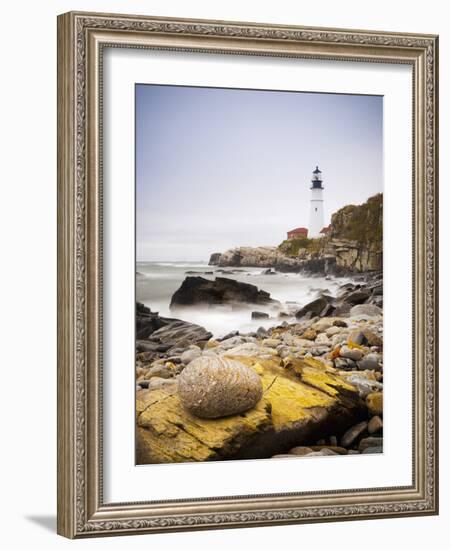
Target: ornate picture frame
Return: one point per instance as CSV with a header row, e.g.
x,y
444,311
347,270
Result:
x,y
82,37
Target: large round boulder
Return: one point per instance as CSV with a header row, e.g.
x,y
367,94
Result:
x,y
213,387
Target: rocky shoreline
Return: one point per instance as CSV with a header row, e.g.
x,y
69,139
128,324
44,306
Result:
x,y
312,385
352,244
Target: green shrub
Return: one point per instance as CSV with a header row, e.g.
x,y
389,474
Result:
x,y
291,247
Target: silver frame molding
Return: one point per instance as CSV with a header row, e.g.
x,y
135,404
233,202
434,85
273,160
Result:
x,y
81,39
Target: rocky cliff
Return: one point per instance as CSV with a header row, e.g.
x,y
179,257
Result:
x,y
356,235
354,243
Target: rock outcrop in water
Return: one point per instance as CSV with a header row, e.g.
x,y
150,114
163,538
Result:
x,y
261,256
364,298
201,291
352,244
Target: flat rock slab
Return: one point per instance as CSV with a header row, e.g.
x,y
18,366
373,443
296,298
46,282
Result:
x,y
300,401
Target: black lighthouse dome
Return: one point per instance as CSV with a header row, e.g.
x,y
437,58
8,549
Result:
x,y
317,179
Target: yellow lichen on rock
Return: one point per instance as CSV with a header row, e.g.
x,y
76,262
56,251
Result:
x,y
169,433
294,401
354,345
291,398
326,382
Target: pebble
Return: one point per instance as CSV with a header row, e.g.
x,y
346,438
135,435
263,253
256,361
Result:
x,y
332,331
371,361
189,355
340,363
300,451
284,352
319,350
176,359
334,448
248,349
350,353
211,344
353,433
356,336
161,371
322,325
364,385
338,340
229,343
158,382
370,442
322,338
372,338
309,334
375,424
271,342
140,371
374,402
366,310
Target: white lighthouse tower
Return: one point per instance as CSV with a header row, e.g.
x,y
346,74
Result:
x,y
316,221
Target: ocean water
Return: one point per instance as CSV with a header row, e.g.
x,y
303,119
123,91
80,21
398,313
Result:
x,y
156,282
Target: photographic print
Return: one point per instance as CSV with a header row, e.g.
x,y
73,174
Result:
x,y
259,274
247,238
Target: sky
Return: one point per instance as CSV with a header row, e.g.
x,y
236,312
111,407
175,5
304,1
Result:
x,y
218,168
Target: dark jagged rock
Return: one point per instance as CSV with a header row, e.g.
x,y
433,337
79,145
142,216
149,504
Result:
x,y
180,334
259,315
314,308
358,297
147,321
198,291
157,335
214,259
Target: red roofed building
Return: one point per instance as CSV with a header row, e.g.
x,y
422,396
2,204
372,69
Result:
x,y
298,233
325,230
